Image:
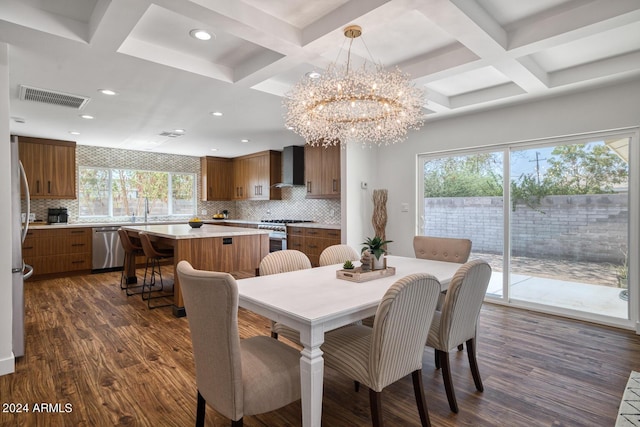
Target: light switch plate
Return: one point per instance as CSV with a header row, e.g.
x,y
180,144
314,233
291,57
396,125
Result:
x,y
404,207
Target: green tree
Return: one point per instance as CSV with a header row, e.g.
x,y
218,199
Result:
x,y
463,176
582,169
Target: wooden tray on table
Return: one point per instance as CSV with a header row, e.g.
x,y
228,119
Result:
x,y
357,275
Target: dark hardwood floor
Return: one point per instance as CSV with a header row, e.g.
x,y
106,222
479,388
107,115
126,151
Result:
x,y
117,363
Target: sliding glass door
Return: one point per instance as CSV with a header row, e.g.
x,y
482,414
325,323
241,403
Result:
x,y
570,226
553,218
462,197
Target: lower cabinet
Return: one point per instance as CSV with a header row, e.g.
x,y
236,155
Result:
x,y
57,251
312,241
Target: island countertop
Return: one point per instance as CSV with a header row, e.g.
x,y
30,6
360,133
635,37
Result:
x,y
184,231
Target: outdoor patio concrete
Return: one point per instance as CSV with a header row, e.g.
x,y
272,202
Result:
x,y
598,299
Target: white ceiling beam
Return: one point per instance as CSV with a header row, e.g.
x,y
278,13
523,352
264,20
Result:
x,y
160,55
18,13
621,64
437,102
428,67
339,18
548,30
490,94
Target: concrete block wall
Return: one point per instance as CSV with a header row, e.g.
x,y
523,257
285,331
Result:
x,y
589,228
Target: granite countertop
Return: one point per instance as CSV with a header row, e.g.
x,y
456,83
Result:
x,y
44,225
184,231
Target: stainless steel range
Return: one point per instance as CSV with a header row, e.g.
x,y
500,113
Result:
x,y
278,232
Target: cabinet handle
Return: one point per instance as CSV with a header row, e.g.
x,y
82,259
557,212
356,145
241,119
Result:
x,y
27,247
37,186
335,185
77,262
49,187
77,244
77,232
308,186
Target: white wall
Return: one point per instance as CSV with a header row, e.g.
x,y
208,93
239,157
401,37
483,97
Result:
x,y
7,364
358,165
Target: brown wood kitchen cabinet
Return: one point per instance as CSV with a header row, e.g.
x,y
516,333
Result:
x,y
312,241
255,174
217,178
322,171
58,251
50,166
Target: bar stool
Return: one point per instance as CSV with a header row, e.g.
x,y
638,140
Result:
x,y
131,250
154,257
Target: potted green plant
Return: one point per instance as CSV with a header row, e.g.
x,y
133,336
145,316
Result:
x,y
377,248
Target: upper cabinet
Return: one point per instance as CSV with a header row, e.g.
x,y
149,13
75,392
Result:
x,y
217,178
50,166
322,171
255,174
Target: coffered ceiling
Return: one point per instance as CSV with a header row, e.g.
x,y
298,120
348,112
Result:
x,y
467,55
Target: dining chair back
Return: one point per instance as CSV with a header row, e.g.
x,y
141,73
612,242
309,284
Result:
x,y
284,262
457,322
338,254
393,348
235,377
442,248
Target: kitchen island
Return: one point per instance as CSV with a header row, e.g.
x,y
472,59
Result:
x,y
210,247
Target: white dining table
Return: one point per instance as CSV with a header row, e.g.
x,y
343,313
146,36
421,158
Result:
x,y
314,301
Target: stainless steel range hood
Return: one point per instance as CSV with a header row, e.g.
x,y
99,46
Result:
x,y
292,166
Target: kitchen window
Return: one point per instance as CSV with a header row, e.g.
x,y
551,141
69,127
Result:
x,y
107,192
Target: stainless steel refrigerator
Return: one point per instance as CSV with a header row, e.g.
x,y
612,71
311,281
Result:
x,y
20,271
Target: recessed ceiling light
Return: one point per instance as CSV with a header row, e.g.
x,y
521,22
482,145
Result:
x,y
216,113
290,127
313,74
200,34
74,132
244,140
86,116
179,130
214,149
107,92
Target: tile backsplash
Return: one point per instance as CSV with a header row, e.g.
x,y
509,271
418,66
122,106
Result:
x,y
292,206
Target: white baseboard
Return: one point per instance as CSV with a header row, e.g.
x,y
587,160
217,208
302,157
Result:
x,y
7,365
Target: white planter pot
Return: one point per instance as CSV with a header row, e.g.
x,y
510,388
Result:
x,y
378,264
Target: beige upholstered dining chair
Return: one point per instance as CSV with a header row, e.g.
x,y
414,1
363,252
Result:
x,y
283,262
457,322
235,377
442,248
338,254
393,348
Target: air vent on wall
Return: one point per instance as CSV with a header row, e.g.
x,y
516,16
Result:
x,y
28,93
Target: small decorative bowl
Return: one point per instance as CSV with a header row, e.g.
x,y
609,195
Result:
x,y
195,224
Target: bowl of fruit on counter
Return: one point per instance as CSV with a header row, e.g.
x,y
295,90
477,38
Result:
x,y
195,222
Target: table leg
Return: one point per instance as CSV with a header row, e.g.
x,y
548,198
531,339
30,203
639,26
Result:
x,y
311,377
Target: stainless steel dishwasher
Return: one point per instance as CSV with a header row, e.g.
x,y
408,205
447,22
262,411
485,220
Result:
x,y
108,253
